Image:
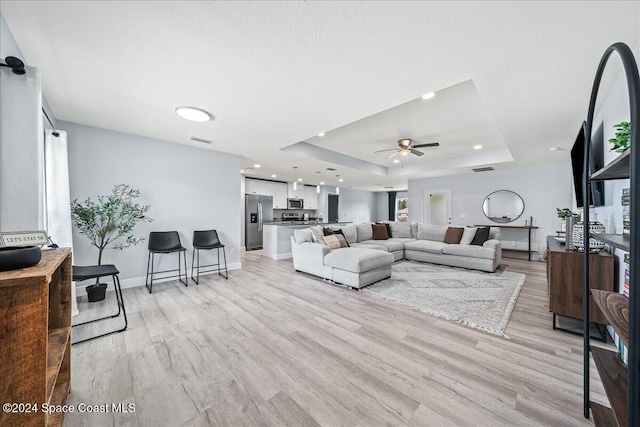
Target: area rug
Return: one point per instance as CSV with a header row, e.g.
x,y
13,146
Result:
x,y
473,298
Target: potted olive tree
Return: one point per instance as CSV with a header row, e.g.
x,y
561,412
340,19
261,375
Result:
x,y
109,221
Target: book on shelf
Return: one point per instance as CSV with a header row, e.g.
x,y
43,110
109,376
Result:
x,y
626,211
625,290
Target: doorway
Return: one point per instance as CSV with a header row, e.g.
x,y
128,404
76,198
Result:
x,y
332,215
437,206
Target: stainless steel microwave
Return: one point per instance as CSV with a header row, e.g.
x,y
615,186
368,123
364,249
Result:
x,y
295,203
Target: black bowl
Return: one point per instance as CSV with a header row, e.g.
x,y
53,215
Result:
x,y
15,258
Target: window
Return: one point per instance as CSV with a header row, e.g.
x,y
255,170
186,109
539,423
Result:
x,y
402,209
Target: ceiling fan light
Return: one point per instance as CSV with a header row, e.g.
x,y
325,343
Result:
x,y
405,152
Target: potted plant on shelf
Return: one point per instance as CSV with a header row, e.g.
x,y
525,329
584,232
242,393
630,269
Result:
x,y
622,141
109,221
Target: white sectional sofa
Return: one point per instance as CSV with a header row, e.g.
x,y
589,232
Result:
x,y
363,263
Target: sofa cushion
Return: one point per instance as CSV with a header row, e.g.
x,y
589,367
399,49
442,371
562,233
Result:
x,y
431,232
317,233
358,260
425,246
470,251
375,246
390,244
400,229
402,239
494,233
349,232
414,230
365,232
482,235
379,231
303,235
468,235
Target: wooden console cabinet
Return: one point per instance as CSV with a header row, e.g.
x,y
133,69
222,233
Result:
x,y
564,276
35,342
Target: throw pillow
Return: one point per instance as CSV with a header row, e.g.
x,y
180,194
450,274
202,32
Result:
x,y
482,235
338,232
331,241
342,240
303,235
317,234
327,231
453,235
468,235
386,224
379,232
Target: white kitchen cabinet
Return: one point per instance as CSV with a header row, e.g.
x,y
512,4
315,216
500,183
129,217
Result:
x,y
254,186
278,190
296,194
310,198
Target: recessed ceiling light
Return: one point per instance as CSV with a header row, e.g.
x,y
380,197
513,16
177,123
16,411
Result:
x,y
428,95
341,180
321,182
274,176
256,166
477,147
321,134
396,161
241,170
192,113
299,179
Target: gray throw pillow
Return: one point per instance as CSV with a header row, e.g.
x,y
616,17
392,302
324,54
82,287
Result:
x,y
317,234
303,235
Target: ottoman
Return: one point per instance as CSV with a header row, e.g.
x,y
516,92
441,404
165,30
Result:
x,y
358,267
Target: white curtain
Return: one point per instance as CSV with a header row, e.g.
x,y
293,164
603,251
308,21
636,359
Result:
x,y
58,199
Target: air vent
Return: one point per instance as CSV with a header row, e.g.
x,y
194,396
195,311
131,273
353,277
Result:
x,y
331,169
206,141
487,169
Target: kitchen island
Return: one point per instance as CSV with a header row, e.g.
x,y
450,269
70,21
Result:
x,y
277,237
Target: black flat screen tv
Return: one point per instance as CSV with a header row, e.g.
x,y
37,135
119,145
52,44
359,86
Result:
x,y
596,195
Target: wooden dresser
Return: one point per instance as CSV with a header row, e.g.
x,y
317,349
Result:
x,y
35,342
564,275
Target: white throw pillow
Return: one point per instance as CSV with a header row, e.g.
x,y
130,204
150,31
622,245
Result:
x,y
317,234
303,235
468,235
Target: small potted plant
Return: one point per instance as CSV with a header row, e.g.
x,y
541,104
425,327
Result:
x,y
622,141
109,221
563,214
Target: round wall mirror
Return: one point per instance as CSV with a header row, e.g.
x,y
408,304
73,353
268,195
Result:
x,y
503,206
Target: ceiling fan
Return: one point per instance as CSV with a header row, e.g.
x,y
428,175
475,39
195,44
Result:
x,y
406,147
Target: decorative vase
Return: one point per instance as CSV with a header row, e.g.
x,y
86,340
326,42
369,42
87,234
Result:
x,y
569,222
595,227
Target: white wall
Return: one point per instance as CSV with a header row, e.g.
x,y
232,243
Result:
x,y
543,188
357,206
188,189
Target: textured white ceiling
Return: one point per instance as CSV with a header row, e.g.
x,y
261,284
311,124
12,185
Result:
x,y
276,73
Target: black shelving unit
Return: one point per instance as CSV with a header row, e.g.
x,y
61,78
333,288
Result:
x,y
621,381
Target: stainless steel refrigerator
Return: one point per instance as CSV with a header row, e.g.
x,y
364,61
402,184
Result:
x,y
258,211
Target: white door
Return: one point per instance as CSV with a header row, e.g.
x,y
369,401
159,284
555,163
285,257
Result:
x,y
437,206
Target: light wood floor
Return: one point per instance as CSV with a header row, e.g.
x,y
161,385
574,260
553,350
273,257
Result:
x,y
274,347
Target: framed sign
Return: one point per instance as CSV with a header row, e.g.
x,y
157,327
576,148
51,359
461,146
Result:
x,y
23,238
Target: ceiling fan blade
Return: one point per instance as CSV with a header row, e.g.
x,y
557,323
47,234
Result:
x,y
433,144
416,152
394,154
382,151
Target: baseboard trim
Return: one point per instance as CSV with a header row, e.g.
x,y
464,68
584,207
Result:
x,y
279,257
135,282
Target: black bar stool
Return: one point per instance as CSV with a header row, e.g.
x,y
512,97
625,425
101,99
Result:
x,y
165,242
207,240
81,273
